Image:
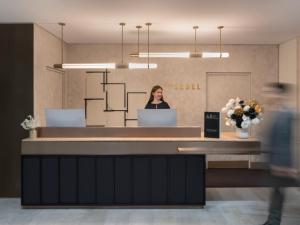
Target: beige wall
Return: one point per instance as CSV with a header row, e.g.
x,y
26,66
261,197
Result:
x,y
261,61
288,62
48,85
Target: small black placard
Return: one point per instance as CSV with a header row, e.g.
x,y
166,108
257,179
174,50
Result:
x,y
212,124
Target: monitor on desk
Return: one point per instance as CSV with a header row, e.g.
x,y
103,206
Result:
x,y
65,117
157,117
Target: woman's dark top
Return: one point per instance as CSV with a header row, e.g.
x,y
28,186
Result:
x,y
162,105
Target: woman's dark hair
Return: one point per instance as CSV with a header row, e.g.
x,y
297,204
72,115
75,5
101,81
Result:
x,y
154,89
282,88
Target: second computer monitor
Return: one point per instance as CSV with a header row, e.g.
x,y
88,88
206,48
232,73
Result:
x,y
157,117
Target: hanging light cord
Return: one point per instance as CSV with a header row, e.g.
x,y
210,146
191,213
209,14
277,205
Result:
x,y
195,39
220,28
62,44
148,58
138,27
122,24
220,43
62,41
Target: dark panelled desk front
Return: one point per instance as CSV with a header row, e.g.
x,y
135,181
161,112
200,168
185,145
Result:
x,y
113,180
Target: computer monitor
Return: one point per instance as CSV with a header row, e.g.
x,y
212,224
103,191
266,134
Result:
x,y
65,117
157,117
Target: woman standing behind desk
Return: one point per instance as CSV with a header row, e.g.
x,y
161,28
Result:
x,y
156,100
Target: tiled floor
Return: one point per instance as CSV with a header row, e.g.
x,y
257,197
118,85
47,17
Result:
x,y
240,206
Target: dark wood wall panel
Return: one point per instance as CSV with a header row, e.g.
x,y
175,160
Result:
x,y
16,91
177,178
123,182
49,180
105,180
113,180
141,180
86,180
68,179
159,179
31,191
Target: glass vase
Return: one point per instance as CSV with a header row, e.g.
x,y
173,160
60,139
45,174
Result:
x,y
33,133
242,133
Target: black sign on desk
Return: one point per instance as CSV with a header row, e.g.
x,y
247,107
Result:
x,y
212,124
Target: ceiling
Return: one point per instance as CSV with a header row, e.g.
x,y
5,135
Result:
x,y
96,21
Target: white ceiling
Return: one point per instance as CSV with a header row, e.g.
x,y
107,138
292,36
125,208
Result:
x,y
96,21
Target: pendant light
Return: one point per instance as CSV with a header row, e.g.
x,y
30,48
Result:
x,y
219,54
138,27
123,65
63,65
195,54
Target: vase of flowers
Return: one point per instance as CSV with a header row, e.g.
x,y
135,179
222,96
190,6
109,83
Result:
x,y
242,115
31,125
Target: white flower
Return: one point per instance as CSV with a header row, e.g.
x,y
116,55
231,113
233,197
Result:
x,y
255,121
246,108
224,109
237,100
231,101
227,123
245,118
24,126
29,123
228,106
246,124
230,112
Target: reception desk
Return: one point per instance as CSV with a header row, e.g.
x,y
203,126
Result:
x,y
121,166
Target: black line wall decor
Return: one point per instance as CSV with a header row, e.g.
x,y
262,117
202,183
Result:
x,y
105,83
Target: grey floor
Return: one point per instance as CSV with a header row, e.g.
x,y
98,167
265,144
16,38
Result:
x,y
224,206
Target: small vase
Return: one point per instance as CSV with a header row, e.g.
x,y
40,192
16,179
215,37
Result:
x,y
242,133
33,133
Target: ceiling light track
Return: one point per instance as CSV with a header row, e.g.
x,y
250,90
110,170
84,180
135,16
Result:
x,y
64,66
194,54
111,65
148,54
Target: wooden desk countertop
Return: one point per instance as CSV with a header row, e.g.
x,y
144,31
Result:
x,y
225,137
227,144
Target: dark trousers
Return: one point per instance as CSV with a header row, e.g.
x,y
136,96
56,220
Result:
x,y
277,199
276,205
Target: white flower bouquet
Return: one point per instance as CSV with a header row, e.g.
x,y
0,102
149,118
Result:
x,y
29,123
242,114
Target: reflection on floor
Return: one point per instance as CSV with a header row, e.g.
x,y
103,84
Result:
x,y
226,206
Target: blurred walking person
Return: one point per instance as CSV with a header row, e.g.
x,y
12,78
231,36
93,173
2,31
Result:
x,y
279,143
